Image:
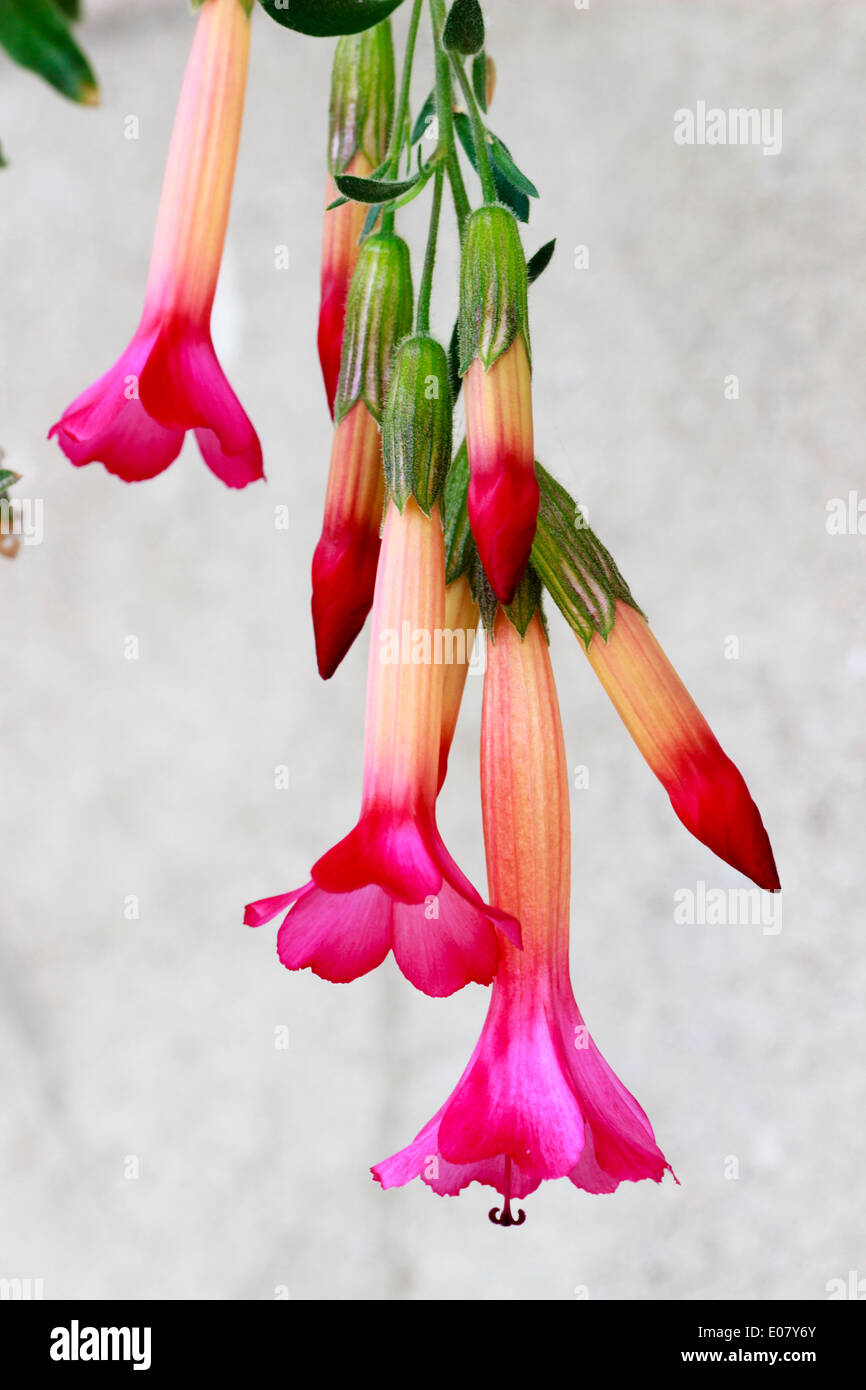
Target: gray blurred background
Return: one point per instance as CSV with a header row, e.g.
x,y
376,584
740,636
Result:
x,y
154,1141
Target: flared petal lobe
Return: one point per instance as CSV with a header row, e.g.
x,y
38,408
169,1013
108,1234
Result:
x,y
706,789
503,491
133,419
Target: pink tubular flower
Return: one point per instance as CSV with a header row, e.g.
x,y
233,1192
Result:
x,y
134,418
537,1099
706,789
391,884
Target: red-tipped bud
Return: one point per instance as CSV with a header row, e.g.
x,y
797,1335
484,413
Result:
x,y
362,104
706,790
495,363
345,559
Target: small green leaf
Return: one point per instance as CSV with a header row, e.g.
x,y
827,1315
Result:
x,y
7,479
3,164
454,361
71,8
506,192
464,27
425,115
37,35
374,190
479,79
537,264
327,18
502,160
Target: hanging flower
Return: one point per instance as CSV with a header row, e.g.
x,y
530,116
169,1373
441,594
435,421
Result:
x,y
537,1100
391,883
134,418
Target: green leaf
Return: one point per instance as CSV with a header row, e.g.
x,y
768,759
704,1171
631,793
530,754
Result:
x,y
502,161
425,115
374,190
459,543
3,164
71,8
479,79
326,18
506,192
537,264
464,27
7,479
454,361
37,35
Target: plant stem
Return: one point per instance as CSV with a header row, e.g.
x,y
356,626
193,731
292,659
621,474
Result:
x,y
398,130
479,137
422,316
445,118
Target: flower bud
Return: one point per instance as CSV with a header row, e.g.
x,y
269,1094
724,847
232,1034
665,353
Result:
x,y
495,361
362,102
416,430
378,315
362,98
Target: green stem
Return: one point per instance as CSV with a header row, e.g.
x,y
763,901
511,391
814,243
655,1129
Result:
x,y
422,316
445,118
398,129
479,137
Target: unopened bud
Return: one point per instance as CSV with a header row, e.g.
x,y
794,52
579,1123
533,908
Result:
x,y
378,316
416,431
362,98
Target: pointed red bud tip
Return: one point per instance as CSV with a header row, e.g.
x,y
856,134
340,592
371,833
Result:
x,y
706,790
346,557
503,491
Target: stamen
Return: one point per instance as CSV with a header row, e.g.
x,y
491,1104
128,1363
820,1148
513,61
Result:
x,y
504,1217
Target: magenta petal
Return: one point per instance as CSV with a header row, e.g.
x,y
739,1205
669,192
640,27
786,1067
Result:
x,y
183,386
338,935
108,424
445,944
265,909
515,1099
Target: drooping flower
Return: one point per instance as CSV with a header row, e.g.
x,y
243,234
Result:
x,y
134,418
495,364
537,1100
391,883
362,102
378,315
706,789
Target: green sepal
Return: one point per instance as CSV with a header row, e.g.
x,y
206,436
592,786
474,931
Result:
x,y
362,98
464,28
378,316
526,602
36,33
328,18
580,575
493,282
460,551
416,427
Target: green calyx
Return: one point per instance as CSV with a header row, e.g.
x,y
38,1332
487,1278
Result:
x,y
378,316
493,283
416,430
362,98
574,566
